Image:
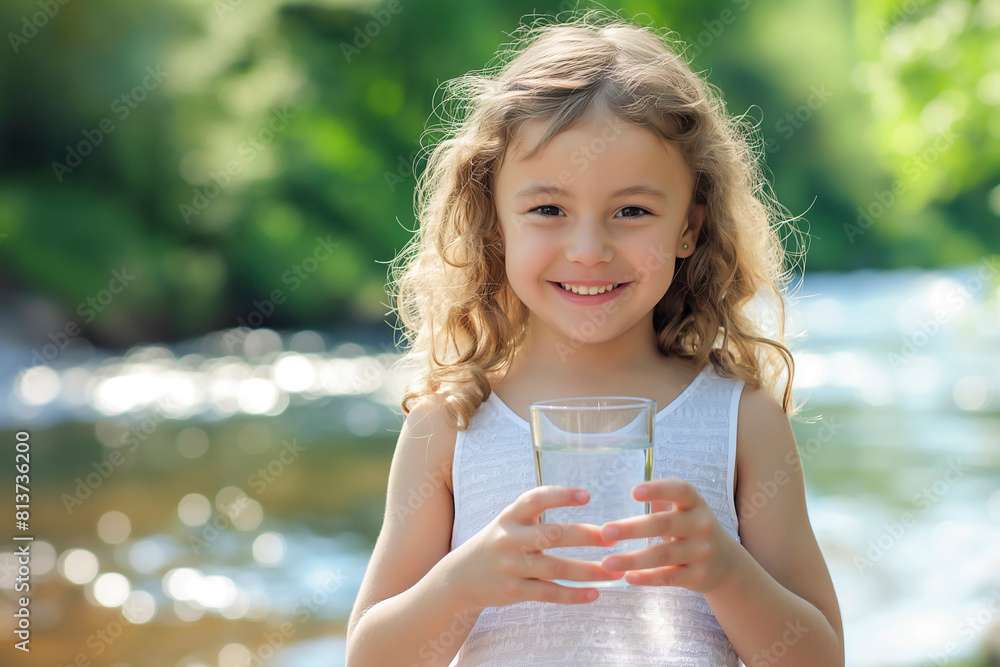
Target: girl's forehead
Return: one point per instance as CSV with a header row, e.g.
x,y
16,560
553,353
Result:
x,y
598,145
595,122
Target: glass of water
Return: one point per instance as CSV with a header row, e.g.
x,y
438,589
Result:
x,y
603,444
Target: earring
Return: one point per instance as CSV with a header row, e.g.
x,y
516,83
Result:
x,y
685,246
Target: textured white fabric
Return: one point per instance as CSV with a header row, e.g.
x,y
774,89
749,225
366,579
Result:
x,y
694,439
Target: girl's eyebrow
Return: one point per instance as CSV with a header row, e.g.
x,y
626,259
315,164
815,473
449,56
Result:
x,y
543,189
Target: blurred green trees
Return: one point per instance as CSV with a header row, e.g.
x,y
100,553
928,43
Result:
x,y
223,151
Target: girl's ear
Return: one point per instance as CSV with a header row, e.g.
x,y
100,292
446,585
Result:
x,y
695,219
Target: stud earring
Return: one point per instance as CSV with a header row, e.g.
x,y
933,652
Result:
x,y
685,246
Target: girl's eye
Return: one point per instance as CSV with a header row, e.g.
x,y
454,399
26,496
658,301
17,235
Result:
x,y
627,211
549,210
636,212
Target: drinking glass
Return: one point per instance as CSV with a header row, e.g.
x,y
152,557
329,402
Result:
x,y
603,444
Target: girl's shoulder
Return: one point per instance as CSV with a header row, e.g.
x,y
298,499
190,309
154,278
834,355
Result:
x,y
430,428
513,394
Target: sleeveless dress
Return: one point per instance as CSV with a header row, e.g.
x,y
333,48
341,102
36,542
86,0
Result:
x,y
670,626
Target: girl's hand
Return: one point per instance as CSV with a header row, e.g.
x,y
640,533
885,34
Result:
x,y
696,552
503,563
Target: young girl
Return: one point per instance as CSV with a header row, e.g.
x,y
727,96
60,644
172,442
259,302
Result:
x,y
594,224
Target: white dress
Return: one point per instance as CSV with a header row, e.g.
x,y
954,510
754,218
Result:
x,y
694,439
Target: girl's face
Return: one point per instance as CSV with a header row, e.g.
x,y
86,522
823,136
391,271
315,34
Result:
x,y
605,201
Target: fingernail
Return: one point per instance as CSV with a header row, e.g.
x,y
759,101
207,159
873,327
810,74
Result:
x,y
611,564
581,495
610,532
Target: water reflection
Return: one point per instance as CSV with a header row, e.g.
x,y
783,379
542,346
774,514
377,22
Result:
x,y
255,463
198,386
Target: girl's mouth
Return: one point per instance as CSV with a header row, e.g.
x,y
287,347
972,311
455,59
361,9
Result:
x,y
589,299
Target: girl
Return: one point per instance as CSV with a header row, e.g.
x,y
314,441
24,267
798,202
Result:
x,y
593,224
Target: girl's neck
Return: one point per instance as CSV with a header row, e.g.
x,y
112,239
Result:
x,y
532,379
548,353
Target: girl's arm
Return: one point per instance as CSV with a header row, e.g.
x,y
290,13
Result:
x,y
778,606
405,612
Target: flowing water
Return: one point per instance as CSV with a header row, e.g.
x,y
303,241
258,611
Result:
x,y
214,502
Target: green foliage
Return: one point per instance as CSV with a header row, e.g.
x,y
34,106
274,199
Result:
x,y
219,147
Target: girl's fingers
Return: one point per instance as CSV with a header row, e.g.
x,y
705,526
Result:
x,y
674,523
673,489
530,504
549,535
672,575
542,566
657,555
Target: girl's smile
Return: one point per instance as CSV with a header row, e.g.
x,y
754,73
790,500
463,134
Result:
x,y
589,299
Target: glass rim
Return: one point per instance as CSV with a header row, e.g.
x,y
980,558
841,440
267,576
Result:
x,y
558,403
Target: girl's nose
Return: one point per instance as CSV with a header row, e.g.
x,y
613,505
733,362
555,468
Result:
x,y
588,244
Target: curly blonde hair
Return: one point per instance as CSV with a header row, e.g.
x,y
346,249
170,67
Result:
x,y
462,322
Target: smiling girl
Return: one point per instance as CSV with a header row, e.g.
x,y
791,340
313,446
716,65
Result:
x,y
594,224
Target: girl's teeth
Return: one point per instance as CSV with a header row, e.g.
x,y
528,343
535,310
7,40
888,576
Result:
x,y
588,290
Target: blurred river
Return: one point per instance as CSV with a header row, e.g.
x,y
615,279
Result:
x,y
213,503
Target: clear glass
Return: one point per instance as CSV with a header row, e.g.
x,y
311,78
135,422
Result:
x,y
603,444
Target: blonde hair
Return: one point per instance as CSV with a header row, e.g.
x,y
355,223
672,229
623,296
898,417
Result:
x,y
461,320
